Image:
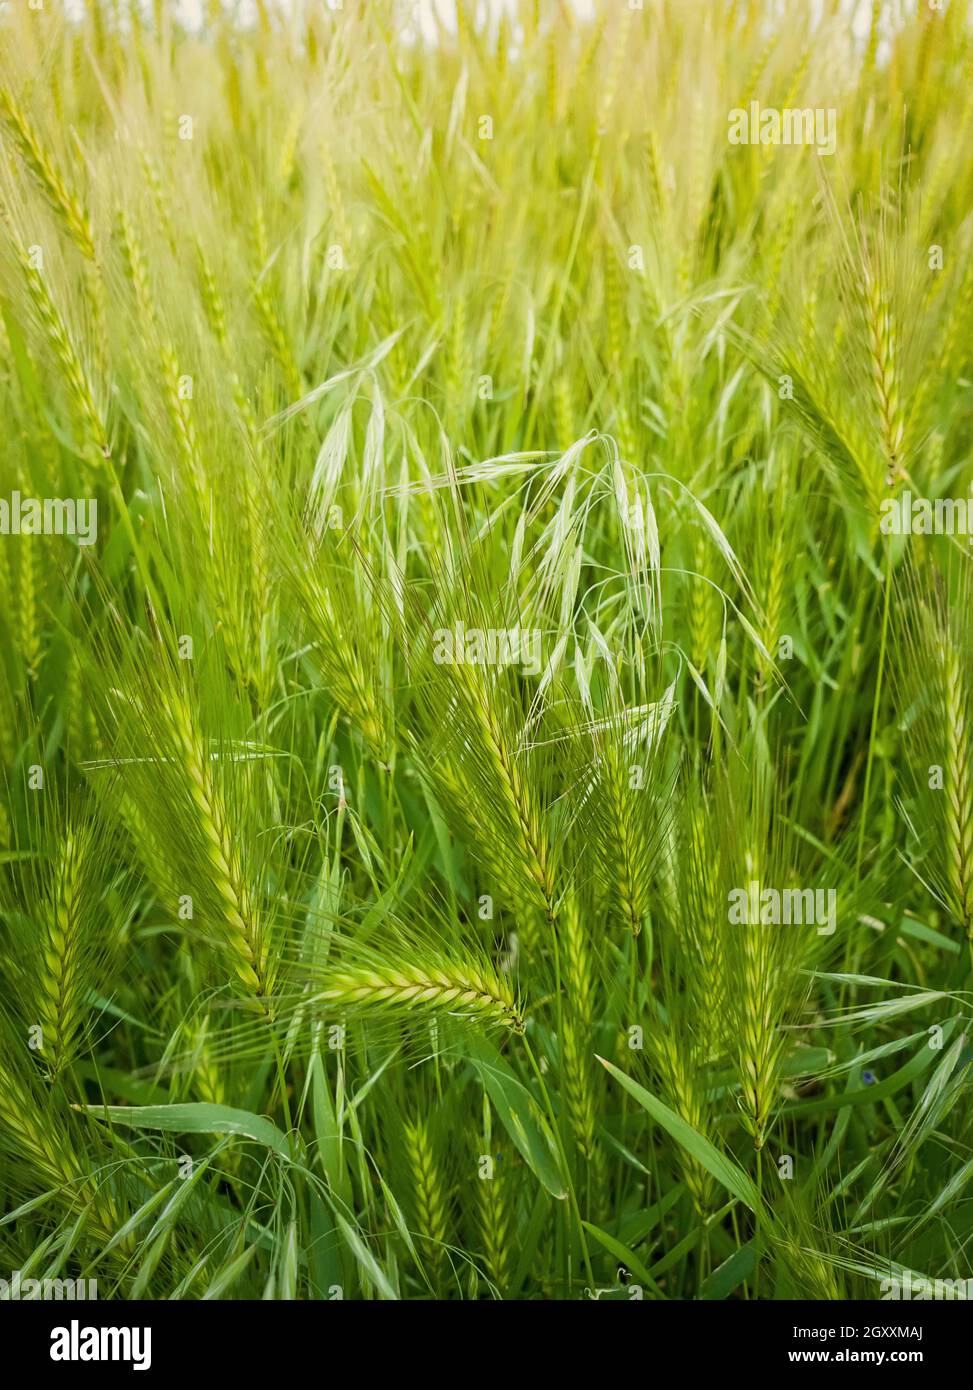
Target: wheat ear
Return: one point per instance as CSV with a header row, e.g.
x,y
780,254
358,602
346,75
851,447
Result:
x,y
76,379
494,1223
958,788
47,1147
577,1052
882,339
456,988
46,173
430,1203
62,998
240,926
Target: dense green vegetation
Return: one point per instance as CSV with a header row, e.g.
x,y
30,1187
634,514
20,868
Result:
x,y
480,641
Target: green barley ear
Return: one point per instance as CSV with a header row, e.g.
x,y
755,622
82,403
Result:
x,y
439,983
757,989
201,783
626,802
421,961
776,500
332,606
577,1041
883,341
580,984
765,961
64,901
62,986
683,1081
485,772
934,671
493,1207
808,1255
688,1032
46,173
955,686
265,299
495,1231
239,924
77,381
29,578
851,362
207,1077
73,942
332,589
47,1148
429,1198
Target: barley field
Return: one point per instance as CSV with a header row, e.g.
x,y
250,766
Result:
x,y
486,667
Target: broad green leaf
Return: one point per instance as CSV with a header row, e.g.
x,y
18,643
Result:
x,y
519,1114
196,1117
621,1252
726,1172
370,1266
730,1274
226,1277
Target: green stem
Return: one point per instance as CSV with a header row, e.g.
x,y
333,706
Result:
x,y
866,796
756,1228
556,1130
